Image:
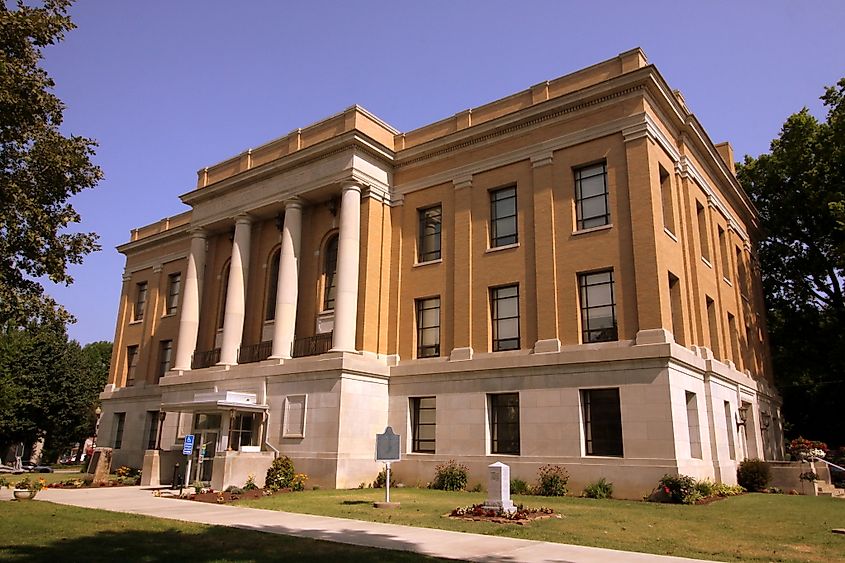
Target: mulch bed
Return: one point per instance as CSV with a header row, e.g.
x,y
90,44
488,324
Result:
x,y
478,513
224,497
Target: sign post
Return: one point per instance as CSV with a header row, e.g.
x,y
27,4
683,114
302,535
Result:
x,y
387,451
187,450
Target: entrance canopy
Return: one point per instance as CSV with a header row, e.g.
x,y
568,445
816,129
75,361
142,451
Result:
x,y
223,401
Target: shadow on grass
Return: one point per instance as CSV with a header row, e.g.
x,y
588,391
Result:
x,y
356,502
208,544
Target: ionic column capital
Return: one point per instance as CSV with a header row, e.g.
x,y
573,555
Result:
x,y
293,203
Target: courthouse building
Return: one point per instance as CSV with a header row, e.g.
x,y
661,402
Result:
x,y
565,275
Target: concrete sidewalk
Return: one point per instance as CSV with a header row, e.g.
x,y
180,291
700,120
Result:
x,y
438,543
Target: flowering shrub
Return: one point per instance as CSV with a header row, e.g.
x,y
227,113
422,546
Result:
x,y
801,449
126,471
250,483
552,480
298,482
681,489
280,474
450,476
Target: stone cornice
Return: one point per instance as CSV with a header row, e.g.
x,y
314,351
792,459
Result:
x,y
354,140
170,235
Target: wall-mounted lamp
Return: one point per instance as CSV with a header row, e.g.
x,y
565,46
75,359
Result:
x,y
765,421
280,222
332,204
743,416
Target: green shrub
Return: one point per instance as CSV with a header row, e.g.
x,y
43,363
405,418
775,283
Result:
x,y
552,480
753,475
477,488
234,490
706,488
381,479
298,482
724,490
600,489
681,489
520,487
280,474
450,476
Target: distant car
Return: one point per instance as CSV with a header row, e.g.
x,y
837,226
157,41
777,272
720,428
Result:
x,y
34,468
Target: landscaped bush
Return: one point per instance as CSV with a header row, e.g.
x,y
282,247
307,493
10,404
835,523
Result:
x,y
706,488
298,482
234,490
725,490
250,483
753,475
681,489
381,479
600,489
280,474
126,471
552,480
450,476
520,487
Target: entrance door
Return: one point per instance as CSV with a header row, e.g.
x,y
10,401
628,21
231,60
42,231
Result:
x,y
206,434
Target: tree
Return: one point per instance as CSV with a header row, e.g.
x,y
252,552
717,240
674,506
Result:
x,y
49,386
40,169
799,190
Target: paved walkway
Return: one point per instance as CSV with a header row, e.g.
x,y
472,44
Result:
x,y
438,543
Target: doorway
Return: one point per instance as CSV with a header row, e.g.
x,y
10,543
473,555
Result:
x,y
206,436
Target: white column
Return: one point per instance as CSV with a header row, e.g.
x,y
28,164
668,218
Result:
x,y
233,317
189,316
349,239
287,289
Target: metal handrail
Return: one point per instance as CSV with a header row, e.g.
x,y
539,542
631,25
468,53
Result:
x,y
839,467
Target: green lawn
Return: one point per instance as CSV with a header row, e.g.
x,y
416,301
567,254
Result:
x,y
752,527
34,531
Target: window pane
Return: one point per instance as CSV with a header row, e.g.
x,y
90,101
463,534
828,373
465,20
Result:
x,y
602,422
593,207
591,196
592,186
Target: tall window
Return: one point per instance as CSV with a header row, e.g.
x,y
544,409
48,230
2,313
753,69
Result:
x,y
272,286
504,311
677,309
693,425
591,207
140,301
224,294
712,326
119,421
503,217
152,429
131,364
242,430
174,287
741,273
602,422
701,218
729,427
723,251
423,424
330,274
164,356
598,307
428,247
504,423
734,338
428,327
666,200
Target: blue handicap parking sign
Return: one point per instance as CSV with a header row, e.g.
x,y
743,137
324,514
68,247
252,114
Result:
x,y
188,448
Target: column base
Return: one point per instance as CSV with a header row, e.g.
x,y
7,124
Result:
x,y
654,336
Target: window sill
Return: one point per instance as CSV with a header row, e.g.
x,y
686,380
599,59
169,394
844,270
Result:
x,y
168,315
428,263
707,262
420,453
591,456
592,229
670,234
505,455
139,321
727,281
503,247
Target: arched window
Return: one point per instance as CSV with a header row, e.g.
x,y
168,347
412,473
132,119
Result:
x,y
224,290
330,274
272,286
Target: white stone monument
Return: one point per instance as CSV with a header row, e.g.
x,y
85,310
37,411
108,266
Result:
x,y
499,488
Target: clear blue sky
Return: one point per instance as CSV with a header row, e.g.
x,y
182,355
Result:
x,y
168,87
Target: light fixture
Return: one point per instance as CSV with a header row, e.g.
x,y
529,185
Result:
x,y
280,223
765,421
743,416
332,205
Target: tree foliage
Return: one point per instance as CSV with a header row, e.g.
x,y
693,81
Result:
x,y
40,169
49,385
799,190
